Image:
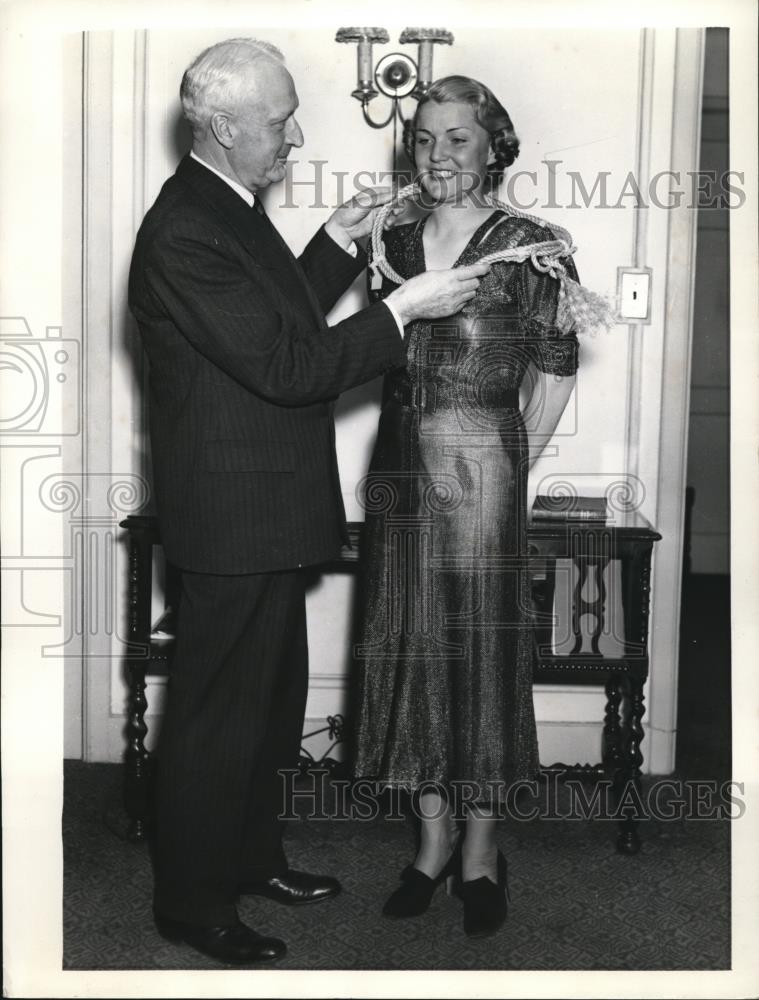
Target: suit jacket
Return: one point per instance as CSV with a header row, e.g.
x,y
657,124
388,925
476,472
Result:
x,y
243,374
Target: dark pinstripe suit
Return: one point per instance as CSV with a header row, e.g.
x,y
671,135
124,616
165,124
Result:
x,y
243,374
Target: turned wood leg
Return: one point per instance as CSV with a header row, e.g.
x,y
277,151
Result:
x,y
137,760
138,763
612,737
628,841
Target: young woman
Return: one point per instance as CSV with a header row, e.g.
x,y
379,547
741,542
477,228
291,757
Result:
x,y
444,692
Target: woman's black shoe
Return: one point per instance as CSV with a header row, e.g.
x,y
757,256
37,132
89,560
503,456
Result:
x,y
485,905
413,898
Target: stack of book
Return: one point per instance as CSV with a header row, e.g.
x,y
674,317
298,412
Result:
x,y
569,508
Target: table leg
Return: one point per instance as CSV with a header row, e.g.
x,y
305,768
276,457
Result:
x,y
612,738
138,761
628,841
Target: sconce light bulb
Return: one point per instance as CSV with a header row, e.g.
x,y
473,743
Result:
x,y
425,64
364,61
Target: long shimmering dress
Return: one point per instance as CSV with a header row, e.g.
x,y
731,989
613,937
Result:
x,y
443,685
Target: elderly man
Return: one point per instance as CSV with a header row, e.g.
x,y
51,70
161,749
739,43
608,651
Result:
x,y
243,375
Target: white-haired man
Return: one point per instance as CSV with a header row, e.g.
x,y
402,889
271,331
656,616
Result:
x,y
243,375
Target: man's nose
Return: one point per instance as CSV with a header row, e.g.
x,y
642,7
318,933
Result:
x,y
295,135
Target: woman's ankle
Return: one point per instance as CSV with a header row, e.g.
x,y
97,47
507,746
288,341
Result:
x,y
483,861
434,854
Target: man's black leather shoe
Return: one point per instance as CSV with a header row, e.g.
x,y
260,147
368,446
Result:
x,y
293,888
235,945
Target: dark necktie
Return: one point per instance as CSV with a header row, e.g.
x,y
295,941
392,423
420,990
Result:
x,y
301,288
260,212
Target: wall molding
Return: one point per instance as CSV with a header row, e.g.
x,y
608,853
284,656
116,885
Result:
x,y
114,153
97,353
674,418
638,250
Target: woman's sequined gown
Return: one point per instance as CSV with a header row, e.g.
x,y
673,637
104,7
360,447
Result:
x,y
444,654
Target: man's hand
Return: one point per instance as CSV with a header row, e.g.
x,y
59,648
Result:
x,y
437,293
355,218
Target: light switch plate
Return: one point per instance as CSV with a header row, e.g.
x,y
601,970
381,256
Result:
x,y
634,294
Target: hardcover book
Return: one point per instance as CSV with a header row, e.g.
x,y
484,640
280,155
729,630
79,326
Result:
x,y
569,508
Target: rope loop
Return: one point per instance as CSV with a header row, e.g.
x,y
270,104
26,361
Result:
x,y
585,311
544,255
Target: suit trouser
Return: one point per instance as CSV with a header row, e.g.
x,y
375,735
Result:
x,y
236,704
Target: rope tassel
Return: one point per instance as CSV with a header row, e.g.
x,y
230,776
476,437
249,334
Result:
x,y
579,309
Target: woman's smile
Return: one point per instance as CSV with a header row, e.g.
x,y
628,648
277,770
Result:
x,y
450,149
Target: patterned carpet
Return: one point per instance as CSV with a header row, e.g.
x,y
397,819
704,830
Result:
x,y
575,903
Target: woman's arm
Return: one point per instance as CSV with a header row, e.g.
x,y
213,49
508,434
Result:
x,y
554,392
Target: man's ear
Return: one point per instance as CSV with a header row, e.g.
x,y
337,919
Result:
x,y
223,128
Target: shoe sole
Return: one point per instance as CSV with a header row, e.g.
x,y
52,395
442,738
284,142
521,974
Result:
x,y
173,938
475,935
292,902
404,916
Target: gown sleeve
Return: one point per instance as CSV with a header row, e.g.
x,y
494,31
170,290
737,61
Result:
x,y
552,350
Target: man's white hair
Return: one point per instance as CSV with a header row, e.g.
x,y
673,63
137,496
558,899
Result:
x,y
219,78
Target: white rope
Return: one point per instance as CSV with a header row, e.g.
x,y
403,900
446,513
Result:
x,y
579,308
545,255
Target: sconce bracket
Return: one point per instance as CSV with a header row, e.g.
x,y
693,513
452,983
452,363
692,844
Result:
x,y
395,75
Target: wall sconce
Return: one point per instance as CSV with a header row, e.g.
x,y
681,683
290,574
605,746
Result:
x,y
396,75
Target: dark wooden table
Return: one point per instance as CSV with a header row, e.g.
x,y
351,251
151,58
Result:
x,y
590,546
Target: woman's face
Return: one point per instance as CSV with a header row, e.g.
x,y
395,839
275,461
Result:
x,y
451,150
